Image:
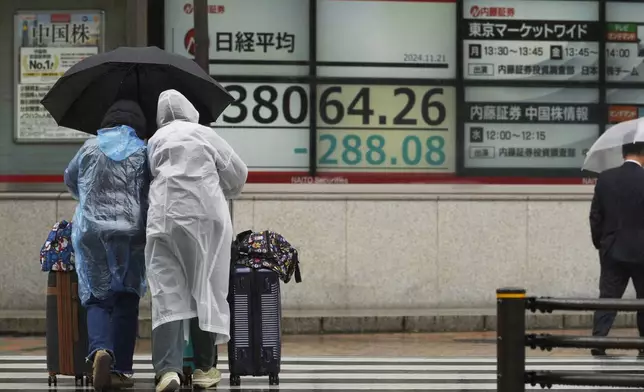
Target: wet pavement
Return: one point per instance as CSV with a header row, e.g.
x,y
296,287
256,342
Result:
x,y
466,344
419,362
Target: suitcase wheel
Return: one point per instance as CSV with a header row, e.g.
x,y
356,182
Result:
x,y
235,380
273,379
52,380
187,377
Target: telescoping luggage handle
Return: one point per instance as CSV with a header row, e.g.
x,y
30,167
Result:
x,y
234,255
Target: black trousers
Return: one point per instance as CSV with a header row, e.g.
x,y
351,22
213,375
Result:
x,y
613,280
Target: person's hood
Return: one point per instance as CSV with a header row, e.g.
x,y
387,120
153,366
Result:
x,y
174,106
119,143
125,112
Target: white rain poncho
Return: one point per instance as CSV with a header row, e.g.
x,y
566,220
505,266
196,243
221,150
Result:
x,y
189,232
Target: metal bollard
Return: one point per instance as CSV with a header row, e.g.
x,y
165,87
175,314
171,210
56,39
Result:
x,y
510,340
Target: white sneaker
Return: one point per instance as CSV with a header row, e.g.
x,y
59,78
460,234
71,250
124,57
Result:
x,y
205,380
169,382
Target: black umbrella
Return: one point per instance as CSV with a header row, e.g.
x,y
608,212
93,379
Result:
x,y
81,97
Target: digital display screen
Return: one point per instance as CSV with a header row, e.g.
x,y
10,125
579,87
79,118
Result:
x,y
247,37
531,40
380,82
540,127
396,39
386,128
268,125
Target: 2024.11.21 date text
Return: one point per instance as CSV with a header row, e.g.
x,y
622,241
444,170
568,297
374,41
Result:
x,y
424,58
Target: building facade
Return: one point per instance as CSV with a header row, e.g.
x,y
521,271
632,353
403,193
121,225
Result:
x,y
410,149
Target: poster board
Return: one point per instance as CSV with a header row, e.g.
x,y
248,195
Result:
x,y
46,44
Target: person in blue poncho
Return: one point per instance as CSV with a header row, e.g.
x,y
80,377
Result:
x,y
109,176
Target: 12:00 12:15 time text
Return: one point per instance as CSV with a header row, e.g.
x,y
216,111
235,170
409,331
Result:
x,y
414,150
492,134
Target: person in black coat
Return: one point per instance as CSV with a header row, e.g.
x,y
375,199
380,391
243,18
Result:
x,y
617,229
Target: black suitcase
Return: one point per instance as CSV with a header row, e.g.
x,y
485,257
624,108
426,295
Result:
x,y
67,341
255,347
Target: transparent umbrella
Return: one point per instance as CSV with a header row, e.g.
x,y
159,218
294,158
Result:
x,y
606,152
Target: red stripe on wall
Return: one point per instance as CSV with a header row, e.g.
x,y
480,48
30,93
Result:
x,y
405,178
352,178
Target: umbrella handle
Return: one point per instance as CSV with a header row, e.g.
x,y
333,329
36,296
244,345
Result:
x,y
135,67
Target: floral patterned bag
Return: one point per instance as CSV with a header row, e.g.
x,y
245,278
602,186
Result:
x,y
267,249
57,254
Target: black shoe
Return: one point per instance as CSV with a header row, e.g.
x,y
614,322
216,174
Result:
x,y
596,352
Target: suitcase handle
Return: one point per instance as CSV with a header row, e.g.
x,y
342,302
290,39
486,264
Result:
x,y
243,354
75,320
267,355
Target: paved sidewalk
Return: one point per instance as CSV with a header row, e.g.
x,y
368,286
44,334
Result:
x,y
479,344
373,321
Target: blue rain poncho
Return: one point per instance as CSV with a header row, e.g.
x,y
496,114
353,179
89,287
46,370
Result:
x,y
109,176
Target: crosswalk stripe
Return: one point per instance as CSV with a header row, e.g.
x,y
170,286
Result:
x,y
331,387
474,361
381,368
341,373
458,360
336,376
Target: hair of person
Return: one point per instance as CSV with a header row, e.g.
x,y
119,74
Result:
x,y
636,148
126,112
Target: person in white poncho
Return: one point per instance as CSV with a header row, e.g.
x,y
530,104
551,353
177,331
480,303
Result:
x,y
189,236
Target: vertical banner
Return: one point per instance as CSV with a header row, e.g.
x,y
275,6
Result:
x,y
47,44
